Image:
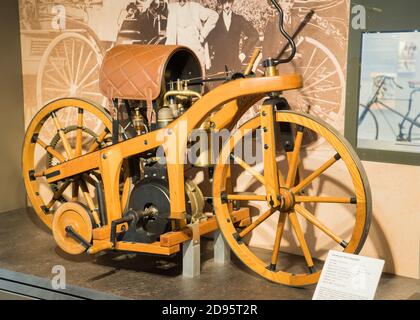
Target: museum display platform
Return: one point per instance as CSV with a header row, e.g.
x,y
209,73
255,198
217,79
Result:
x,y
29,248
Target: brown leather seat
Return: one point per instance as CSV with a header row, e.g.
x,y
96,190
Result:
x,y
137,72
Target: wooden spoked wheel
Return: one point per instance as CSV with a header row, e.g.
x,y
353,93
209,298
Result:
x,y
314,216
64,129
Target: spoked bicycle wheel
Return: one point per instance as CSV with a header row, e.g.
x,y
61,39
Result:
x,y
368,126
314,219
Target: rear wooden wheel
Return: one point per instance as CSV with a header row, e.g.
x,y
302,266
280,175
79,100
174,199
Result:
x,y
62,130
310,198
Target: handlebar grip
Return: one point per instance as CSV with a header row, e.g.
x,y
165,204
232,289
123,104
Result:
x,y
251,63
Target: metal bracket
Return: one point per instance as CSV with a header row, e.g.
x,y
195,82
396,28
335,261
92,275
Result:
x,y
191,253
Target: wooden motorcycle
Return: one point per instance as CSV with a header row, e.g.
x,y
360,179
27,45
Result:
x,y
121,182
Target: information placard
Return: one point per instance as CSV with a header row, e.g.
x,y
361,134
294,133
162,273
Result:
x,y
348,277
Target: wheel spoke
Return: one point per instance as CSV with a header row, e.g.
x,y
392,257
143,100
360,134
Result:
x,y
323,100
57,194
76,78
79,135
87,76
316,174
317,68
62,135
58,90
309,63
351,200
75,191
318,81
294,161
248,168
86,63
62,73
89,179
89,201
282,182
97,141
90,93
68,63
50,150
72,59
257,222
246,197
301,238
277,241
96,81
51,79
39,174
312,219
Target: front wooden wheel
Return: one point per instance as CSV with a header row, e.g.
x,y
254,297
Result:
x,y
64,129
327,206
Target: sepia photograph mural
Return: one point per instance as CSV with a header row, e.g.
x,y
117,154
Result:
x,y
64,42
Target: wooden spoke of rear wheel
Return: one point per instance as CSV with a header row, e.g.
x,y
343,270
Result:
x,y
57,195
97,141
62,135
89,179
89,201
34,168
285,273
50,150
312,219
79,134
75,191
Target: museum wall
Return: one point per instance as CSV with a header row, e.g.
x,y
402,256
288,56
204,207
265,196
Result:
x,y
11,109
321,59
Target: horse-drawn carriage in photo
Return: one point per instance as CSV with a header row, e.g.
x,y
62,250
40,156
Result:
x,y
121,183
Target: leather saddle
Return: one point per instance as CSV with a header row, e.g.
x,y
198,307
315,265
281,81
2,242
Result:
x,y
142,72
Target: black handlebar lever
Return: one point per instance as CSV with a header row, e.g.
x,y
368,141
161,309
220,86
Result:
x,y
276,61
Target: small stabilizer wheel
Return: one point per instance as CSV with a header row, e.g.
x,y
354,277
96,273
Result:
x,y
303,211
72,228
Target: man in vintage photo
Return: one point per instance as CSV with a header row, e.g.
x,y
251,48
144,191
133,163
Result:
x,y
232,40
189,24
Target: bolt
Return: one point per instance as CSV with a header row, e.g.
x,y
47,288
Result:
x,y
265,129
104,156
264,113
145,142
266,146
